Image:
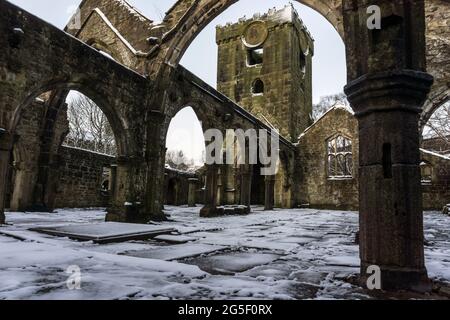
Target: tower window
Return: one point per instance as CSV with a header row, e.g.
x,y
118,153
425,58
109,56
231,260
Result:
x,y
255,56
302,62
340,158
258,87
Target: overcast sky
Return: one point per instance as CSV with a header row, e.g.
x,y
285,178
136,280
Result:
x,y
329,70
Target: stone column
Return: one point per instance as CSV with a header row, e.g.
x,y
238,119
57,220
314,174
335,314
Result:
x,y
230,188
220,185
391,220
269,199
246,185
192,195
387,88
22,197
113,181
127,203
210,208
155,167
5,149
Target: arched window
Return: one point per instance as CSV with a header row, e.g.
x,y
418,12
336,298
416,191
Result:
x,y
258,87
340,158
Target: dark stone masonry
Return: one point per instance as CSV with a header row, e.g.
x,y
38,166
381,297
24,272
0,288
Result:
x,y
367,158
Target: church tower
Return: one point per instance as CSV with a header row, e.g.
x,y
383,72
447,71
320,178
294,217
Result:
x,y
265,65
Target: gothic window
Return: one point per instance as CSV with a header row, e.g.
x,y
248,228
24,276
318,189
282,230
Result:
x,y
340,158
426,171
258,87
255,56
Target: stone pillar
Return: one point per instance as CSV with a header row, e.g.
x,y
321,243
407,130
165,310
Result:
x,y
127,204
269,199
391,220
155,168
176,193
210,208
192,195
387,88
220,184
5,149
45,189
229,188
22,197
113,181
246,185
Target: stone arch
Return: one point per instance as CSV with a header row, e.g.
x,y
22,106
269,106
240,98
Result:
x,y
198,108
434,102
42,194
118,124
186,19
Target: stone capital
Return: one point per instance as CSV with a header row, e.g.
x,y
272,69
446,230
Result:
x,y
404,90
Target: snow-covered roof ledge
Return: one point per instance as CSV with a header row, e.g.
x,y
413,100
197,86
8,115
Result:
x,y
435,154
117,32
133,10
338,106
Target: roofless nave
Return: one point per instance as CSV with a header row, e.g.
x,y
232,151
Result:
x,y
389,82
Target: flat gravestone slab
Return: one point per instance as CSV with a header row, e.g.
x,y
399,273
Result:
x,y
175,252
175,239
106,232
231,263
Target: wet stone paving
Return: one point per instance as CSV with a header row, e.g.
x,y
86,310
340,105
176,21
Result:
x,y
280,254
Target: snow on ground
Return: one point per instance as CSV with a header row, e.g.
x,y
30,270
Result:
x,y
282,254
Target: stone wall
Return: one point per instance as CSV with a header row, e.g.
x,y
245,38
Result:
x,y
81,178
316,188
436,193
177,187
319,191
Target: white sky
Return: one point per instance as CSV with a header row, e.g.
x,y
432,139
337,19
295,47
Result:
x,y
329,67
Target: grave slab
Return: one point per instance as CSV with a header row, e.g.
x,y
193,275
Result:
x,y
175,252
175,239
106,232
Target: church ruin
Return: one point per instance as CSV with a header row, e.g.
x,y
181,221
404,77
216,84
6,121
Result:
x,y
367,159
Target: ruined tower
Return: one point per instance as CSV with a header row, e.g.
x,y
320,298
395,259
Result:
x,y
265,65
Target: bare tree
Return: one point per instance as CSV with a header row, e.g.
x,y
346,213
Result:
x,y
89,127
327,102
437,130
177,160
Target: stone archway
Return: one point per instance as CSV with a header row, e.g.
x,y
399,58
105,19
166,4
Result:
x,y
187,18
387,85
434,102
37,170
